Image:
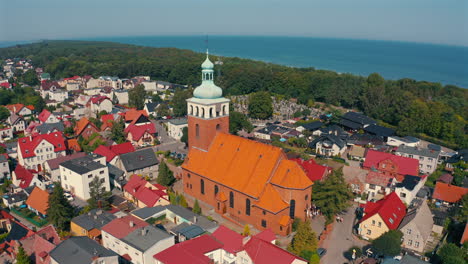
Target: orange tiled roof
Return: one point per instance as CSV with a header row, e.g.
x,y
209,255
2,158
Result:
x,y
39,200
133,114
284,221
238,163
290,175
271,200
448,193
15,108
73,144
465,235
81,125
221,197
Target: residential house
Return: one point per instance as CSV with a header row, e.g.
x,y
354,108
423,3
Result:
x,y
132,114
85,128
39,245
6,133
38,201
448,194
409,187
34,151
47,117
99,103
357,153
150,86
329,145
310,127
20,109
82,250
23,178
4,167
145,194
445,178
51,167
406,141
416,227
16,122
121,96
141,131
113,152
227,246
175,127
313,170
134,239
90,224
16,199
48,128
151,108
428,159
392,165
355,121
44,76
73,145
356,178
381,216
141,162
77,174
379,131
378,185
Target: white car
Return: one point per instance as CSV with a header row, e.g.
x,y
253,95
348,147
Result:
x,y
68,196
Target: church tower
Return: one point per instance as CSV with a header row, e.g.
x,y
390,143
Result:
x,y
208,110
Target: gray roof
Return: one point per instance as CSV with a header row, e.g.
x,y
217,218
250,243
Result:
x,y
418,151
95,218
114,172
188,231
148,212
421,217
139,159
178,121
79,250
199,220
145,237
358,118
329,137
49,127
82,165
3,158
407,259
151,106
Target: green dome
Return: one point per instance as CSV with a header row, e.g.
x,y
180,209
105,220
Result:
x,y
208,90
207,64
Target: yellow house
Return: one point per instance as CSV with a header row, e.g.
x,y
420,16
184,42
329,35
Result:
x,y
381,216
90,224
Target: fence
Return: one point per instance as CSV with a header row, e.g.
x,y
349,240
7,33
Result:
x,y
40,223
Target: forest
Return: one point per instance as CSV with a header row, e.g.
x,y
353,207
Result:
x,y
429,110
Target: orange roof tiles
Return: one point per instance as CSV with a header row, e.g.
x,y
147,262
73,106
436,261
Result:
x,y
81,125
238,163
133,114
271,200
448,193
39,200
290,175
221,197
284,221
73,144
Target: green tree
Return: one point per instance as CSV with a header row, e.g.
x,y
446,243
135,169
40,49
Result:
x,y
60,211
165,176
349,253
260,105
237,122
451,254
4,113
184,138
117,131
30,78
297,114
136,97
304,239
22,257
179,104
246,231
163,110
182,201
99,196
196,208
332,195
388,244
306,112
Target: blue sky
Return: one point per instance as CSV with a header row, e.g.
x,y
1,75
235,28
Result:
x,y
431,21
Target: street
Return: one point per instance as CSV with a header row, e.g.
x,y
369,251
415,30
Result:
x,y
167,142
341,239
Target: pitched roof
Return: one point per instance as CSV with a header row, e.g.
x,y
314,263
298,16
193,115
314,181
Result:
x,y
139,159
271,200
190,251
313,125
44,115
465,235
39,200
98,99
379,130
421,217
29,144
406,166
73,144
391,209
263,252
137,187
114,150
82,124
379,179
266,235
240,164
313,170
138,131
24,175
121,227
418,151
409,182
46,128
94,219
232,241
290,175
133,114
358,118
448,193
15,108
446,178
79,250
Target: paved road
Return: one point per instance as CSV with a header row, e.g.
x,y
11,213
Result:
x,y
341,239
167,142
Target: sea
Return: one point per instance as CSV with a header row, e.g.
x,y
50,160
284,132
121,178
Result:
x,y
391,59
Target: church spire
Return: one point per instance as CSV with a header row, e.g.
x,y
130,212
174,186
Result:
x,y
207,90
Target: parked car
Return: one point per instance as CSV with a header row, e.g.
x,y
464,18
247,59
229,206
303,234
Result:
x,y
68,196
321,252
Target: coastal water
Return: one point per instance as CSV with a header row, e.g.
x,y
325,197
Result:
x,y
393,60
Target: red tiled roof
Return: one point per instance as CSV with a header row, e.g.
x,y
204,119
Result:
x,y
379,179
232,241
266,235
448,193
50,234
72,78
106,152
24,175
39,200
14,108
29,144
391,209
46,85
44,115
190,251
121,227
114,150
98,99
30,107
136,187
5,215
314,171
138,131
5,85
107,118
263,252
446,178
406,166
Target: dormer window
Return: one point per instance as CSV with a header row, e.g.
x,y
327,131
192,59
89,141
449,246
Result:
x,y
390,220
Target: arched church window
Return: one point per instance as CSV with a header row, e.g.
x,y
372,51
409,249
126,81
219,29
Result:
x,y
218,127
197,130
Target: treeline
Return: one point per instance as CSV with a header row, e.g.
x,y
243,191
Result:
x,y
419,108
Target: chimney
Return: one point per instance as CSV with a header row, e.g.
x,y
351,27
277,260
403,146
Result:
x,y
245,240
195,219
131,224
98,212
144,231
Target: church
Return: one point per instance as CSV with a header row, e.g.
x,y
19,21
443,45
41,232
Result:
x,y
244,180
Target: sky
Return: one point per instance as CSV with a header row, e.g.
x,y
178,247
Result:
x,y
429,21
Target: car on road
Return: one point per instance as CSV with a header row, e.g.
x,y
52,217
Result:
x,y
321,252
68,196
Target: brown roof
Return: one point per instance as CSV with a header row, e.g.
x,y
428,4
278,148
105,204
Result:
x,y
39,200
82,124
